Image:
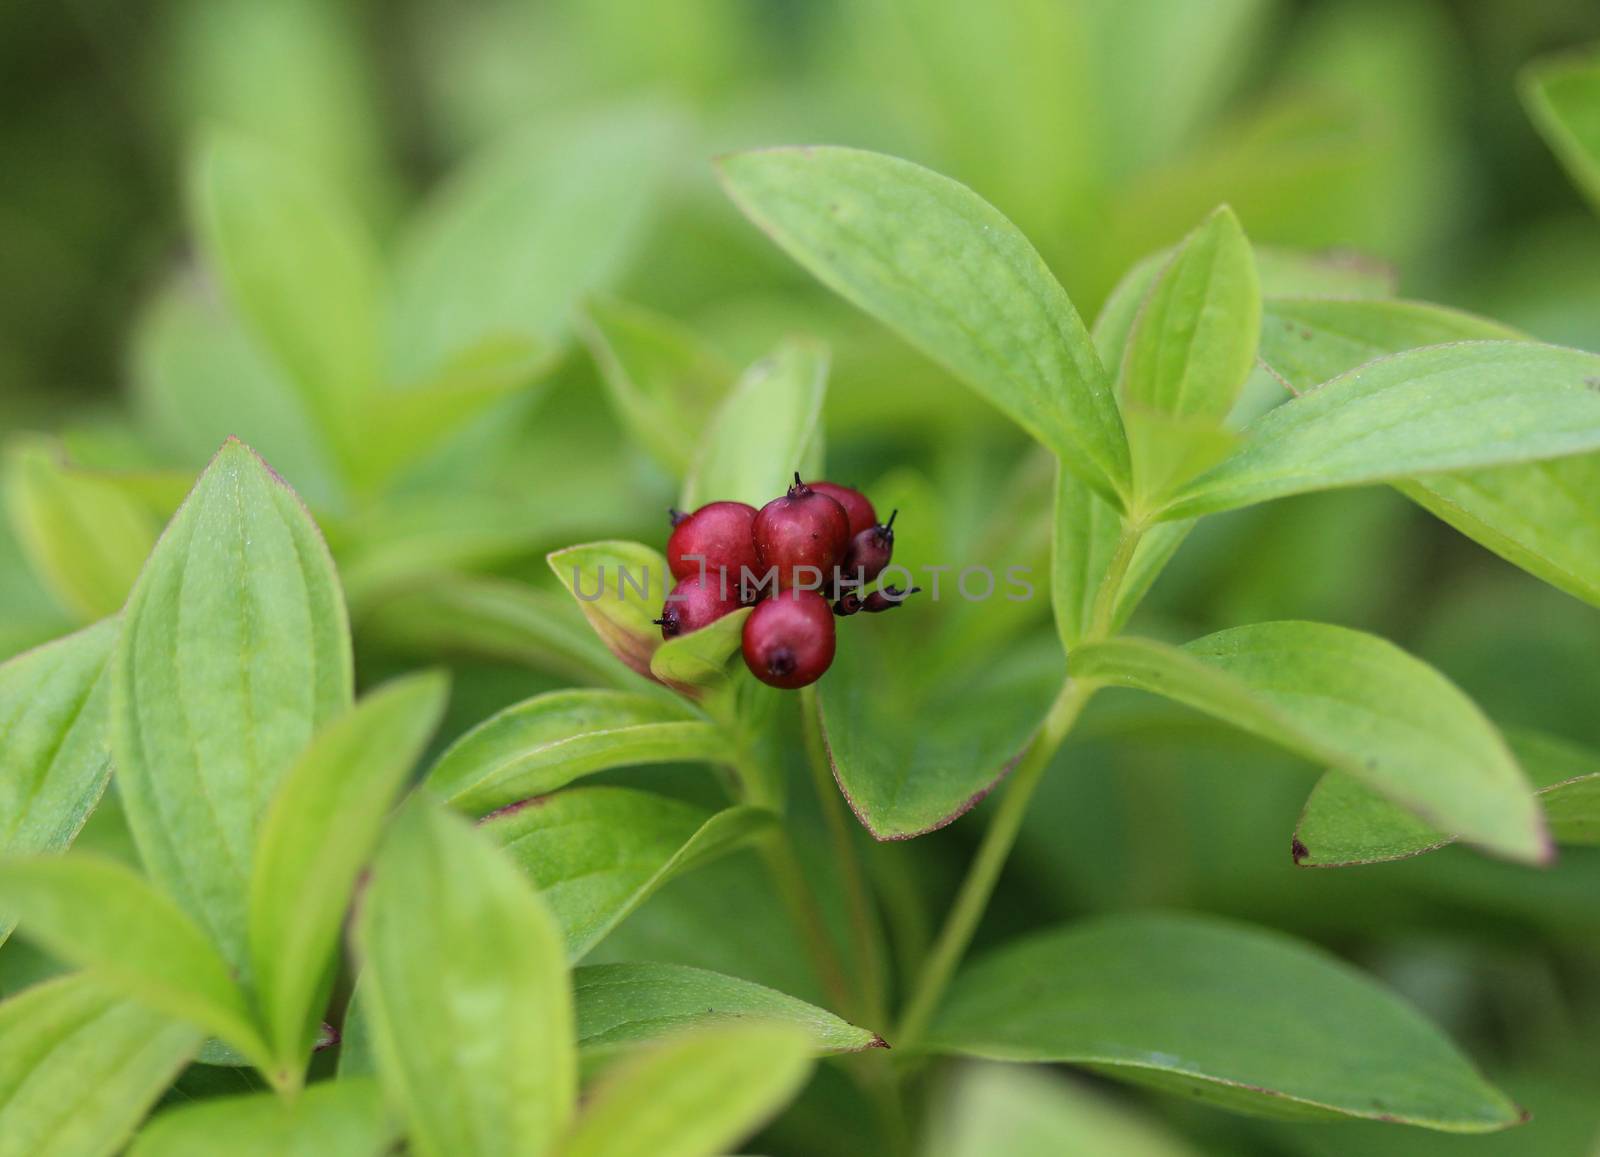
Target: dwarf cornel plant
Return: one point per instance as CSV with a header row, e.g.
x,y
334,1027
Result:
x,y
369,958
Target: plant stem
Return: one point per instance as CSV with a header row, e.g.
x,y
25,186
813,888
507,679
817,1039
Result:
x,y
778,851
864,924
1105,599
984,872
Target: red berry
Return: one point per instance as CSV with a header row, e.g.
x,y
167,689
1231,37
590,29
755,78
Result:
x,y
804,528
868,553
857,507
719,533
788,639
696,603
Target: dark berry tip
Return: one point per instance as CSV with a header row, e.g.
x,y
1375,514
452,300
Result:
x,y
781,663
893,514
675,516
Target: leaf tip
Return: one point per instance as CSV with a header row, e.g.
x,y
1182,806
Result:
x,y
1298,850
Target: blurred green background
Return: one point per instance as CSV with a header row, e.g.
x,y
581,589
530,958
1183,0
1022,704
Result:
x,y
1388,130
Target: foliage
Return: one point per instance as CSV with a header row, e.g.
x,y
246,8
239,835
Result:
x,y
271,880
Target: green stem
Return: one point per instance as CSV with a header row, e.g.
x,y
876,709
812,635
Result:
x,y
778,851
1104,610
864,924
984,872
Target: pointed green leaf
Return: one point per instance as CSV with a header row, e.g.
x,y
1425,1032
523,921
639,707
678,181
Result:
x,y
85,538
1194,342
403,425
100,915
1562,95
1308,341
767,428
1424,411
317,835
511,244
1246,1019
81,1067
199,378
661,380
694,1096
933,261
55,755
455,614
1024,1111
621,588
912,757
597,853
466,988
1534,514
700,657
621,1006
300,271
1355,702
546,742
344,1118
1346,823
234,650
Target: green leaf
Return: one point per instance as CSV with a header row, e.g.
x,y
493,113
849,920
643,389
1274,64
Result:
x,y
97,914
198,379
1533,514
700,657
468,614
344,1118
55,756
234,651
937,264
402,425
300,271
1346,823
511,244
1424,411
621,588
912,757
466,988
694,1096
1026,1112
317,835
83,536
597,853
81,1067
769,426
1195,339
1308,341
1563,97
1085,537
1247,1019
546,742
660,378
1355,702
621,1006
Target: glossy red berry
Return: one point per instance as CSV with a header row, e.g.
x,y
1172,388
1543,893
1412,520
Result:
x,y
804,528
789,639
719,532
857,506
868,553
696,603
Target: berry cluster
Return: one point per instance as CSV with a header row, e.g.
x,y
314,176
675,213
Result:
x,y
727,555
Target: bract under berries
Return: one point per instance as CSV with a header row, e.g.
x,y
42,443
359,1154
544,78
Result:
x,y
802,535
789,639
